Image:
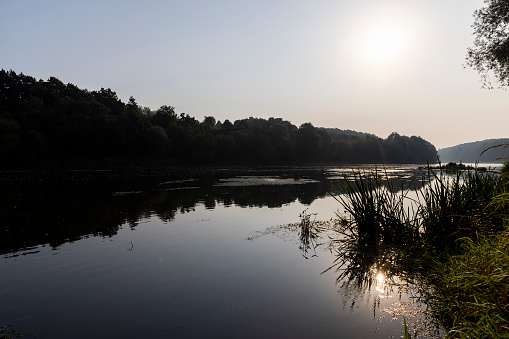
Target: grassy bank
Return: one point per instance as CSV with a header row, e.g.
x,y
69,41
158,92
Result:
x,y
471,289
451,236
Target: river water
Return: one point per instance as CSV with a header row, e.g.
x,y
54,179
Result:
x,y
186,253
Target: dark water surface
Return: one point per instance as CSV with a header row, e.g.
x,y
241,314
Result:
x,y
183,253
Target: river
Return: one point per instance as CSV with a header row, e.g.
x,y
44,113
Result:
x,y
186,253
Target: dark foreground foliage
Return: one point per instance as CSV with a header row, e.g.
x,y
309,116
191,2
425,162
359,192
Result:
x,y
49,122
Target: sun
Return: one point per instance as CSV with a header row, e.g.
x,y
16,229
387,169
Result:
x,y
383,44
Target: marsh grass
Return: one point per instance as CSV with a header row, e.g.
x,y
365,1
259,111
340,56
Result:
x,y
375,209
453,237
7,332
446,208
378,227
471,288
454,206
372,235
472,293
309,231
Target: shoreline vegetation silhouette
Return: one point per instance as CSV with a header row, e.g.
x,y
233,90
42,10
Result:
x,y
451,241
52,124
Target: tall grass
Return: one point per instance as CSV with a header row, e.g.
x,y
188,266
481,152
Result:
x,y
455,239
472,293
375,208
451,207
377,228
445,209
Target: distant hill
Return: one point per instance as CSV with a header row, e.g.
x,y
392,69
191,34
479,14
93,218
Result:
x,y
471,152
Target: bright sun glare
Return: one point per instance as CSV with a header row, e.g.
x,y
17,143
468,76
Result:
x,y
383,38
380,282
383,44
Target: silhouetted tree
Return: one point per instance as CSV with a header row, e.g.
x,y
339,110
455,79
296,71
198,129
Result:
x,y
396,149
157,141
308,143
367,148
491,42
209,121
132,102
165,117
227,126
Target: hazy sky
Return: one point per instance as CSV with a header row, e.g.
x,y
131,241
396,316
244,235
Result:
x,y
367,65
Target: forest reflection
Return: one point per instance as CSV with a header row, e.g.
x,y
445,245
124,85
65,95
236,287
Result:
x,y
57,207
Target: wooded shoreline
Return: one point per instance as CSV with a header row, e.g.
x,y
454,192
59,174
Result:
x,y
49,123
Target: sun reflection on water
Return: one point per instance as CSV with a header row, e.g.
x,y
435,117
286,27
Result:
x,y
381,284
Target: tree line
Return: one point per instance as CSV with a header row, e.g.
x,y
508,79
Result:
x,y
41,120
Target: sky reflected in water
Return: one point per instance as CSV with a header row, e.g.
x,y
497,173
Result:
x,y
182,258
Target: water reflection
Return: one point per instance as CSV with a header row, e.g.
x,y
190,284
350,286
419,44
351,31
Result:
x,y
177,268
380,282
368,271
39,208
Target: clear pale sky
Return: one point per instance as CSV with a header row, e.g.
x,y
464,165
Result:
x,y
367,65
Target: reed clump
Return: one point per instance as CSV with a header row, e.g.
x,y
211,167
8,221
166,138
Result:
x,y
452,207
452,235
375,209
308,233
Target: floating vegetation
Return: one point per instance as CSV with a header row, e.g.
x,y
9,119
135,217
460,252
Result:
x,y
454,167
179,188
174,182
7,332
323,231
284,232
262,180
116,194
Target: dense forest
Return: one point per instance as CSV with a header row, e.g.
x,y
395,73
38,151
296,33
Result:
x,y
44,121
471,152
